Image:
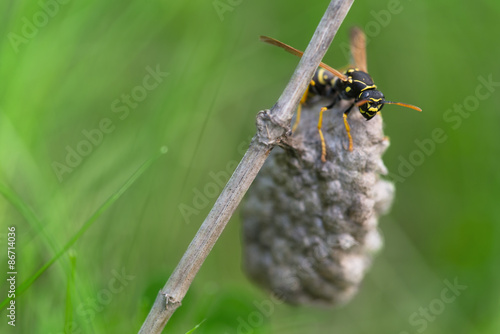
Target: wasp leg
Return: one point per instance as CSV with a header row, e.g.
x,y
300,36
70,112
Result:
x,y
299,108
347,127
320,125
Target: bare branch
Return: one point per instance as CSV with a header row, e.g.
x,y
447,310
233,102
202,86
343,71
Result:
x,y
272,127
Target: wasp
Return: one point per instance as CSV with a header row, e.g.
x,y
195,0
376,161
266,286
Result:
x,y
355,85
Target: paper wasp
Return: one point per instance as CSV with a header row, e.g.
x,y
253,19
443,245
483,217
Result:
x,y
355,85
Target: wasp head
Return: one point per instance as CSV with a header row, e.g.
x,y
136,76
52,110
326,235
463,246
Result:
x,y
373,101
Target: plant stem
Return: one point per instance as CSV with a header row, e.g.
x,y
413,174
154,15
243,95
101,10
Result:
x,y
272,127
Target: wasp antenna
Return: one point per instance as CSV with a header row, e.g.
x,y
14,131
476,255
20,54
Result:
x,y
361,102
404,105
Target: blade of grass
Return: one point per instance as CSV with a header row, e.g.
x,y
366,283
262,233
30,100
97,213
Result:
x,y
31,218
113,198
20,205
195,327
68,318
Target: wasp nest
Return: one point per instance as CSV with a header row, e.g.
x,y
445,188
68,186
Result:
x,y
310,228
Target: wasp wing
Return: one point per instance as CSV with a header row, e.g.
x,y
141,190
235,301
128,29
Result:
x,y
298,53
358,48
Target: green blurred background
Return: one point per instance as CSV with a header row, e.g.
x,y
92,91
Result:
x,y
69,77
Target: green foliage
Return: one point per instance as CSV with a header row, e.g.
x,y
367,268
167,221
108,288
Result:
x,y
92,92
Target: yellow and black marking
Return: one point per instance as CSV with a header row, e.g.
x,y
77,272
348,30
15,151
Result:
x,y
355,85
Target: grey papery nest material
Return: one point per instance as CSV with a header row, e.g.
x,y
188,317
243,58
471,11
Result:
x,y
310,228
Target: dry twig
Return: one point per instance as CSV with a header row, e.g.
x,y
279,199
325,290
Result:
x,y
273,126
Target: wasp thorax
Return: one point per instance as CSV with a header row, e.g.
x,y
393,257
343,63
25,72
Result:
x,y
357,82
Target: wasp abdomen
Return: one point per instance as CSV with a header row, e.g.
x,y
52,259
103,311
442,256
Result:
x,y
323,83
